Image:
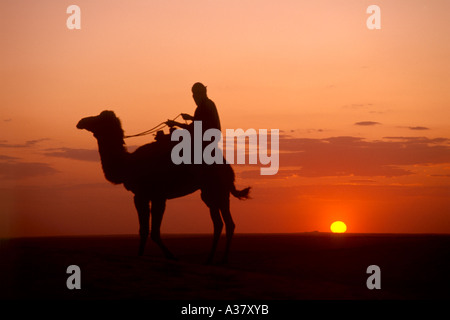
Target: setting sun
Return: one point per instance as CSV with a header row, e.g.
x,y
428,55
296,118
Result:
x,y
338,227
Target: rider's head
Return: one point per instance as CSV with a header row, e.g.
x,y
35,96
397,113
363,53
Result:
x,y
199,92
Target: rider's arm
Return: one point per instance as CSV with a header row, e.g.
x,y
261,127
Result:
x,y
186,116
172,123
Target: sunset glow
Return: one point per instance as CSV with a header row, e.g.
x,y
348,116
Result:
x,y
363,115
338,227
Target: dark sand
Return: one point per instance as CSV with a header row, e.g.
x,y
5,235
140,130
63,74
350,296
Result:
x,y
263,267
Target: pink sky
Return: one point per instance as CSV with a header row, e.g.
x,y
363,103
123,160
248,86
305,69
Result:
x,y
364,114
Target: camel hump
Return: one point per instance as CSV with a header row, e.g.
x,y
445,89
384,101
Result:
x,y
150,152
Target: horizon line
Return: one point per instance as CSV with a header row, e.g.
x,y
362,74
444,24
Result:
x,y
118,235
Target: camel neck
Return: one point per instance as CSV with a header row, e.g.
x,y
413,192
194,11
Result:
x,y
113,156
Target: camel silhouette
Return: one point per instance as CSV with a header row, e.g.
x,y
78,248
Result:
x,y
151,175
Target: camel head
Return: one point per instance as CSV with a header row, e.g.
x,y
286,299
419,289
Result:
x,y
105,125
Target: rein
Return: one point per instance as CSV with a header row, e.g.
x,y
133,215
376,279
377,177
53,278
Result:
x,y
152,130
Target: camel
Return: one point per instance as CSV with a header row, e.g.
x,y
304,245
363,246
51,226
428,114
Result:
x,y
151,176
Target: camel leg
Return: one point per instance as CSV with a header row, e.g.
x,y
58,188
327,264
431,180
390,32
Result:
x,y
143,209
158,207
218,226
229,227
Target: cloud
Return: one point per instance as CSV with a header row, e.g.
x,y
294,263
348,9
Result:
x,y
282,174
79,154
3,157
353,156
357,105
422,140
76,154
27,144
363,181
366,123
30,143
13,169
416,128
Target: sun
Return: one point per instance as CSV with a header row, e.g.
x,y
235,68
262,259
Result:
x,y
338,227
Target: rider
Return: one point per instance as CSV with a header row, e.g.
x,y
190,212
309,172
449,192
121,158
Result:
x,y
209,174
206,111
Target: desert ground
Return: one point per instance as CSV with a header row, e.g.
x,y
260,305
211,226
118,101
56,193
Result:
x,y
306,266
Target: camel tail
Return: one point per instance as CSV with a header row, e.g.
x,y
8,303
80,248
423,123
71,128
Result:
x,y
241,194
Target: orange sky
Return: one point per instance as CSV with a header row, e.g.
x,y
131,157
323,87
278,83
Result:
x,y
363,114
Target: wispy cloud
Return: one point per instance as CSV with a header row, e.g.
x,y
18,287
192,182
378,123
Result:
x,y
256,173
418,128
76,154
353,156
27,144
14,169
362,181
415,128
422,140
3,157
366,123
357,106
